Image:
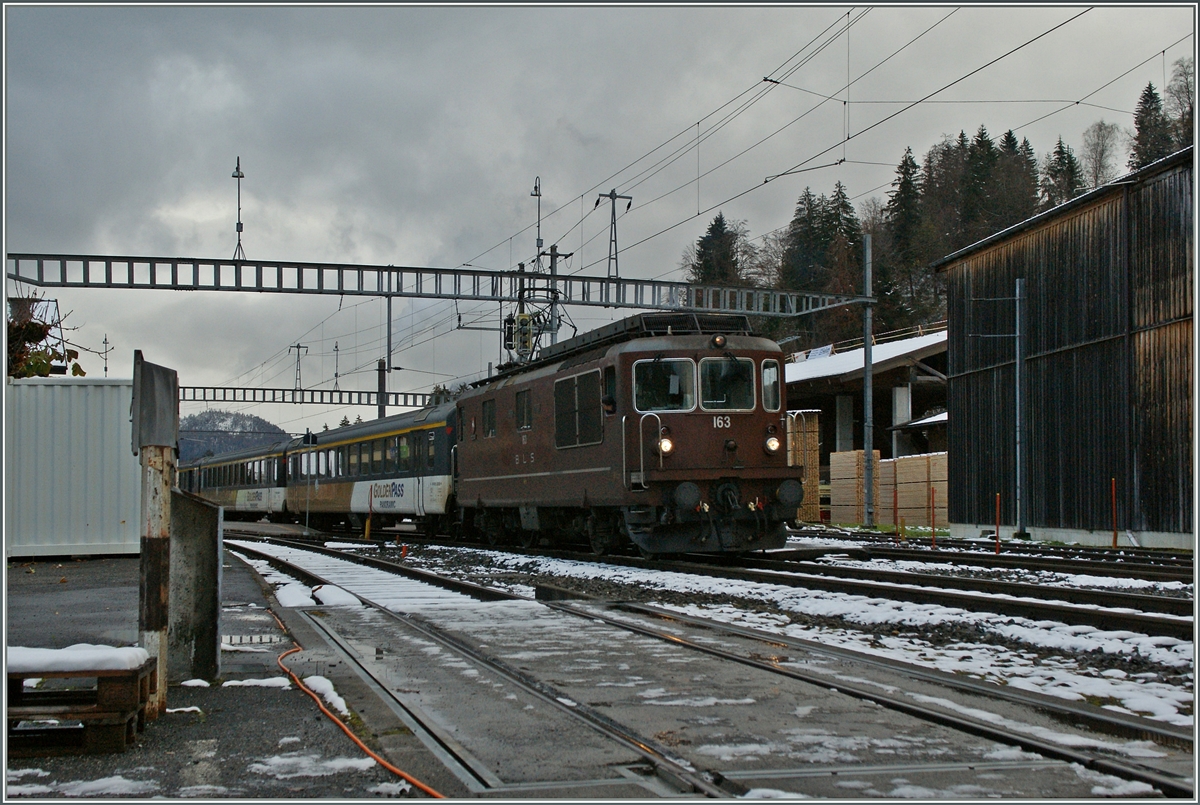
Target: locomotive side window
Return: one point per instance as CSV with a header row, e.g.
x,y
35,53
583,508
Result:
x,y
489,418
664,385
727,384
524,410
577,418
432,451
770,385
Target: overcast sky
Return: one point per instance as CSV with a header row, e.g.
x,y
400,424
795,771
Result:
x,y
413,135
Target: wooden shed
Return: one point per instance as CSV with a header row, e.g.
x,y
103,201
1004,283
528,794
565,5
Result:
x,y
1107,369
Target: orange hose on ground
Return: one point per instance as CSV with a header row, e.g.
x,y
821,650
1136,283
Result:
x,y
401,774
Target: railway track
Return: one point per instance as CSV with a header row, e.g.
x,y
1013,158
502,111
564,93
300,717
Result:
x,y
452,622
1155,616
1153,557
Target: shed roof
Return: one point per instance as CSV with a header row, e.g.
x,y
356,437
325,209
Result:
x,y
848,366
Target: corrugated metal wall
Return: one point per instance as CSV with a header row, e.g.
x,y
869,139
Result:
x,y
1109,306
72,484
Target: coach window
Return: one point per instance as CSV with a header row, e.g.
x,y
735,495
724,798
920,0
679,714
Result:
x,y
377,456
664,385
489,418
404,454
524,410
392,456
770,385
322,463
727,384
353,459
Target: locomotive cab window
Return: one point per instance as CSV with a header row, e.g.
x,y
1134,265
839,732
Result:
x,y
770,385
727,384
664,385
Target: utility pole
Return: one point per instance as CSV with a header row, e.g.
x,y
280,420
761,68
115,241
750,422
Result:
x,y
1020,372
612,231
298,347
382,368
868,391
238,254
335,366
554,257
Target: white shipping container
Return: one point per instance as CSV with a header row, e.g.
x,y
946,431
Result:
x,y
72,485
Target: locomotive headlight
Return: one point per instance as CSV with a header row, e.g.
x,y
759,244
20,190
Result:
x,y
771,445
666,446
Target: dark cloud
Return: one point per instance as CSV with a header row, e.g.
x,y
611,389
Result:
x,y
412,136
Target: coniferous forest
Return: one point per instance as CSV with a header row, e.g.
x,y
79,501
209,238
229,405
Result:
x,y
963,190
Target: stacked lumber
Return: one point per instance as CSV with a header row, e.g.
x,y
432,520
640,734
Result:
x,y
910,486
804,451
847,490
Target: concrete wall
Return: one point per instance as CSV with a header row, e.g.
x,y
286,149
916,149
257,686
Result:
x,y
71,482
194,611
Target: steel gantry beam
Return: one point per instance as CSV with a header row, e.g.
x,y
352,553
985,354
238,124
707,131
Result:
x,y
394,399
470,284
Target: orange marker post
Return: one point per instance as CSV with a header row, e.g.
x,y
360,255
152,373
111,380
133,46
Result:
x,y
933,514
1114,508
997,522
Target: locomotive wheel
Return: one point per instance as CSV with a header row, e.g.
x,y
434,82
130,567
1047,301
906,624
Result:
x,y
602,534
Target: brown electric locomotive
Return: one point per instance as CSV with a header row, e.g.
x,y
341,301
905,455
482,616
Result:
x,y
666,430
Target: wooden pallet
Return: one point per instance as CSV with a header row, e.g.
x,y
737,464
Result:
x,y
102,718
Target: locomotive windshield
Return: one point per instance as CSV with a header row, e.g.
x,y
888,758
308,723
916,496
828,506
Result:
x,y
727,384
664,385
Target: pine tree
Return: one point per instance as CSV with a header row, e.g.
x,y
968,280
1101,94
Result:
x,y
803,265
1062,176
1015,182
345,421
714,259
978,205
1152,130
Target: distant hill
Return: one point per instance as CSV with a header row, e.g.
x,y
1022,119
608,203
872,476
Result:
x,y
215,432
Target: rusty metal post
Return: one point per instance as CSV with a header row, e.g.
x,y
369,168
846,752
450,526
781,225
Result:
x,y
933,514
155,416
997,522
1114,508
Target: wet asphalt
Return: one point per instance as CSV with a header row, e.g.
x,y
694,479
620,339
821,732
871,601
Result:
x,y
220,741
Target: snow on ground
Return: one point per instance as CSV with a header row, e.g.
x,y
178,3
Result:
x,y
281,682
333,596
1064,675
299,764
1044,578
323,687
114,787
